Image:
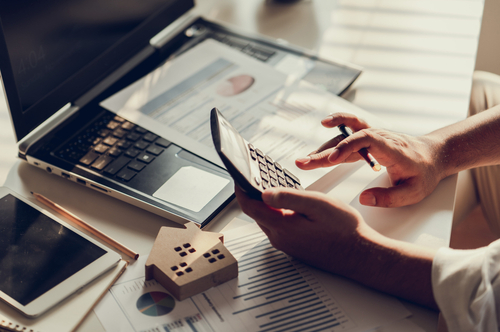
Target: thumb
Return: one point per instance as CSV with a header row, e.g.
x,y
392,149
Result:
x,y
400,195
301,201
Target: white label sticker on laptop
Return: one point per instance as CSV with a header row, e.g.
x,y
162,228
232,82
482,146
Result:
x,y
191,188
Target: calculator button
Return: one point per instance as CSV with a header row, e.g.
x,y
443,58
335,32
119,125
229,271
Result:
x,y
269,160
263,167
253,155
261,159
271,167
272,174
264,176
265,184
289,174
274,183
290,182
280,173
282,182
251,147
298,187
260,154
278,166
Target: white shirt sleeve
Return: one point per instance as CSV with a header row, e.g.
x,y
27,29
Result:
x,y
466,286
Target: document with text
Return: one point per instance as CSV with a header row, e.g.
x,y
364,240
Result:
x,y
273,292
276,112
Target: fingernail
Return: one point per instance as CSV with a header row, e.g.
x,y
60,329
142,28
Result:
x,y
334,155
367,199
327,119
304,160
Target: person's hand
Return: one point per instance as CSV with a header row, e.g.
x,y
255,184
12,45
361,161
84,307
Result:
x,y
410,161
319,231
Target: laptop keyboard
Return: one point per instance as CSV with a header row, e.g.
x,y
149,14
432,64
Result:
x,y
258,52
114,146
272,174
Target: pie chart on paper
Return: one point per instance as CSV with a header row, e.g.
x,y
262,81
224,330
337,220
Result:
x,y
155,304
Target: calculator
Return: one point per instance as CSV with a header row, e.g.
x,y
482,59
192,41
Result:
x,y
252,170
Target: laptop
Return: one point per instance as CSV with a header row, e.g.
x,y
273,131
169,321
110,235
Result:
x,y
60,59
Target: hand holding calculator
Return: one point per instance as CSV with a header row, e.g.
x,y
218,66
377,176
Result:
x,y
251,169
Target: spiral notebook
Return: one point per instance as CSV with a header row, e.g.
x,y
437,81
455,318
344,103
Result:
x,y
68,315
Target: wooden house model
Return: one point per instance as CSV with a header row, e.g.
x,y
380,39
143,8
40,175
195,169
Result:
x,y
189,261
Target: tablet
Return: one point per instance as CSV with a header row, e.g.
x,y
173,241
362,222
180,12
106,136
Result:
x,y
43,260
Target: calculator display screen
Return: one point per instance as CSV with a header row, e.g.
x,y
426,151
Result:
x,y
36,252
234,147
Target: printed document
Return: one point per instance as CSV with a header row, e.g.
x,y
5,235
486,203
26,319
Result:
x,y
274,111
273,292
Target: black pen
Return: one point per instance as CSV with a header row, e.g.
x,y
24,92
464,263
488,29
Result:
x,y
363,152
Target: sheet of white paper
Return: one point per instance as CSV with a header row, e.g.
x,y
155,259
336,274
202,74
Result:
x,y
191,188
419,223
271,291
275,112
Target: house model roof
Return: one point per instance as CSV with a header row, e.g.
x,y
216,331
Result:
x,y
189,261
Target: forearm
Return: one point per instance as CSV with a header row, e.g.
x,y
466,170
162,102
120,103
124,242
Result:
x,y
394,267
470,143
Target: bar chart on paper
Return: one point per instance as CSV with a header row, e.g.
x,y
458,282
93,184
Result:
x,y
273,293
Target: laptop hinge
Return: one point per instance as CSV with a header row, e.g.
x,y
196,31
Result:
x,y
57,118
173,29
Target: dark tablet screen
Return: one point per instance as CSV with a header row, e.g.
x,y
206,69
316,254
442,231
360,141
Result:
x,y
36,252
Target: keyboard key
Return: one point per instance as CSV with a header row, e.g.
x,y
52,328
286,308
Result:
x,y
150,137
101,148
126,174
104,132
110,140
154,149
136,165
89,158
119,133
112,125
128,126
141,130
132,152
141,145
118,118
123,145
115,152
163,142
117,165
102,162
133,137
146,158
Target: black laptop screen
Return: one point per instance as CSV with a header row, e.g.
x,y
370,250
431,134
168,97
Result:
x,y
51,41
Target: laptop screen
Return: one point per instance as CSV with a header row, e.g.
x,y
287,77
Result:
x,y
57,49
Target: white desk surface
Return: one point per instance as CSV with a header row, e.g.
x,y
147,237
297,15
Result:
x,y
418,59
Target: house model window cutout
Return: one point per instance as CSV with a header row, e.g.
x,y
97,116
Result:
x,y
189,261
